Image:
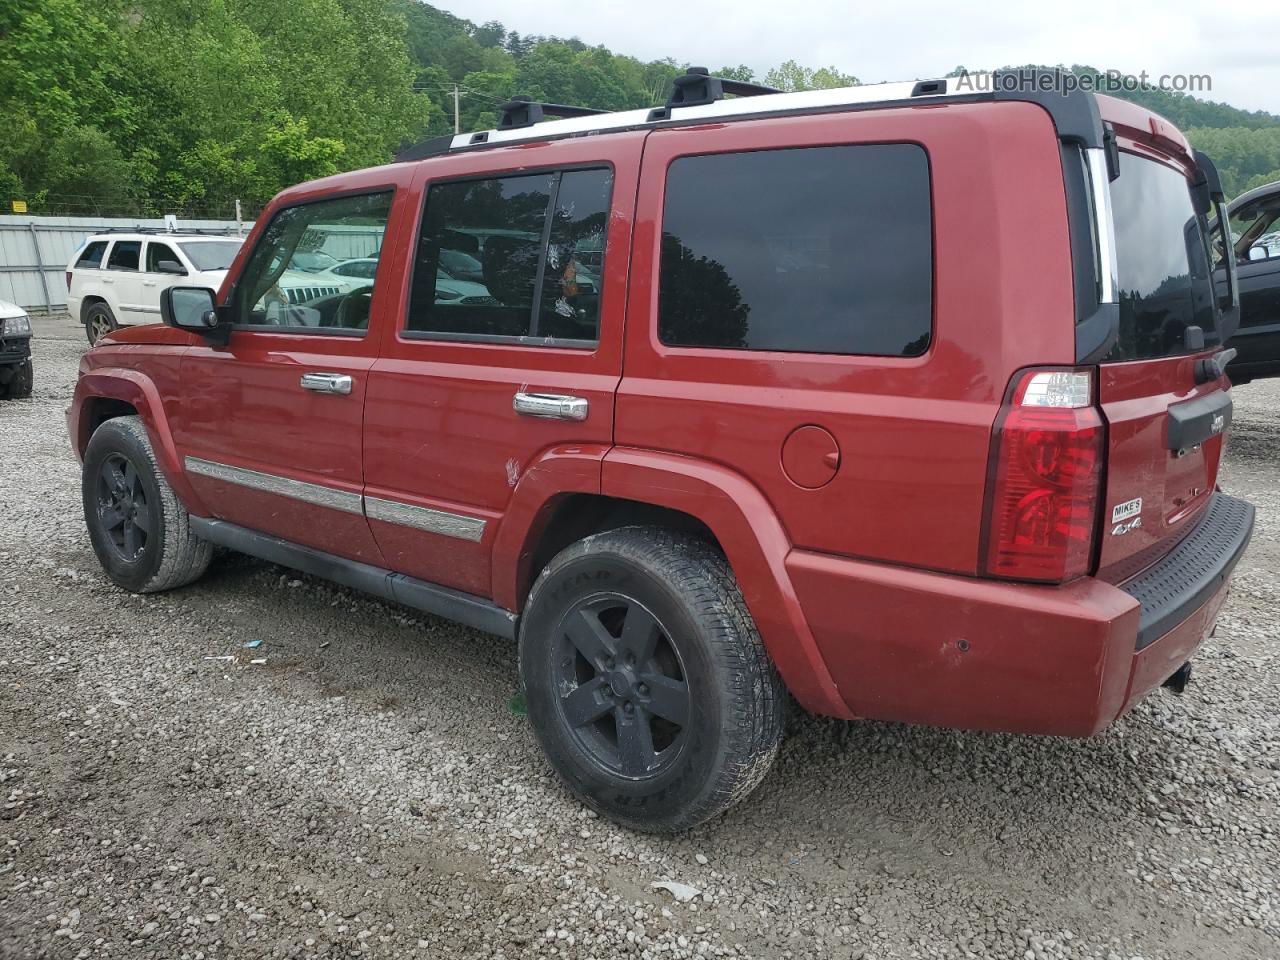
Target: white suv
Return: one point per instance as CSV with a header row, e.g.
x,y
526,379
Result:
x,y
115,279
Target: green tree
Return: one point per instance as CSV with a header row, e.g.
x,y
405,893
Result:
x,y
790,76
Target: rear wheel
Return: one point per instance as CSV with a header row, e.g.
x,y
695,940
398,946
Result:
x,y
138,528
98,322
646,682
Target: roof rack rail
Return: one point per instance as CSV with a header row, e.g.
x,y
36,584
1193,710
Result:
x,y
696,86
164,231
525,112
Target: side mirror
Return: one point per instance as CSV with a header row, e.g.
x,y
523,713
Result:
x,y
1257,253
171,266
192,308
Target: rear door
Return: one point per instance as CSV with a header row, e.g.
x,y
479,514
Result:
x,y
485,377
1165,428
122,282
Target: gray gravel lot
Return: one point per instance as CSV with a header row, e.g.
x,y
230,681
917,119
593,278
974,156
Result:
x,y
369,791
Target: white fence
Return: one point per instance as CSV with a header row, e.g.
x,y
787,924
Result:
x,y
34,251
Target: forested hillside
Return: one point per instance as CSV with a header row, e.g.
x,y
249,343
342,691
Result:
x,y
152,106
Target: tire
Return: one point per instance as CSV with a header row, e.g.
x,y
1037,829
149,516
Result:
x,y
99,321
610,724
19,385
121,480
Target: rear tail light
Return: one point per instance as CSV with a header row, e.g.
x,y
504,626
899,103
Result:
x,y
1042,488
68,279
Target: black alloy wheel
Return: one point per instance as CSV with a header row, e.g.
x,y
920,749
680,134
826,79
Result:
x,y
622,686
123,512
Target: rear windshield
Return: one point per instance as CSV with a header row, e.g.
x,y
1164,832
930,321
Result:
x,y
211,254
1163,262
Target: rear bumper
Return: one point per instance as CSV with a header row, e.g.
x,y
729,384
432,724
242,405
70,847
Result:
x,y
919,647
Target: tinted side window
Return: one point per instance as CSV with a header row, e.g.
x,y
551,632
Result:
x,y
814,250
91,259
285,283
157,252
499,258
124,255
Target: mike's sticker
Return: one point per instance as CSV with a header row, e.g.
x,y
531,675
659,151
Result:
x,y
1123,511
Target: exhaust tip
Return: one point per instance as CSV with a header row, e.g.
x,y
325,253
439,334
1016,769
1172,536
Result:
x,y
1178,681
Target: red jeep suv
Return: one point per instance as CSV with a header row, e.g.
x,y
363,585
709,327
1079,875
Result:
x,y
903,401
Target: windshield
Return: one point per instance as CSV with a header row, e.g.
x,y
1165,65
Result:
x,y
1163,262
211,254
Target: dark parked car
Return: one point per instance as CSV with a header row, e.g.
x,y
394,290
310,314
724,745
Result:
x,y
1255,227
15,352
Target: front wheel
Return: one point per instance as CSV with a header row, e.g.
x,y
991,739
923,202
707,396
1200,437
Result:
x,y
138,527
646,681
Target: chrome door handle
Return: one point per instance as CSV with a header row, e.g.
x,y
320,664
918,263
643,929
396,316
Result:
x,y
550,406
326,383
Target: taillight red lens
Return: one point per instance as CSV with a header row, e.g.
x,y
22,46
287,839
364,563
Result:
x,y
1044,480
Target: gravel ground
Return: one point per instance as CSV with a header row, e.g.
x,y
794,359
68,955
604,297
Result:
x,y
368,790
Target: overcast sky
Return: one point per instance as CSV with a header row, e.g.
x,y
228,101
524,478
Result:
x,y
1236,43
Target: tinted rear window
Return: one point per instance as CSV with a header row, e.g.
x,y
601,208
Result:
x,y
92,256
814,250
1163,263
498,259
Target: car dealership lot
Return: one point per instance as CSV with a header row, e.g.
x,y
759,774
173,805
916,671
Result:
x,y
369,789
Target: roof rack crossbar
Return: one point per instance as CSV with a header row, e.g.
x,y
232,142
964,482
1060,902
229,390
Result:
x,y
696,86
525,112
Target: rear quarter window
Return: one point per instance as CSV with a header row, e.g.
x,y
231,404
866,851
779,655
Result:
x,y
811,250
91,258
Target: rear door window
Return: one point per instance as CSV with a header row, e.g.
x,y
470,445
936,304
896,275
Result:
x,y
124,255
811,250
1162,259
512,259
91,259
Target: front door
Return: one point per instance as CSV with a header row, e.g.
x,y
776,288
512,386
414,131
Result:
x,y
153,280
270,425
496,368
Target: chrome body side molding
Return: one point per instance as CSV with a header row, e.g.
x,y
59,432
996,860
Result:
x,y
456,525
344,500
423,518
